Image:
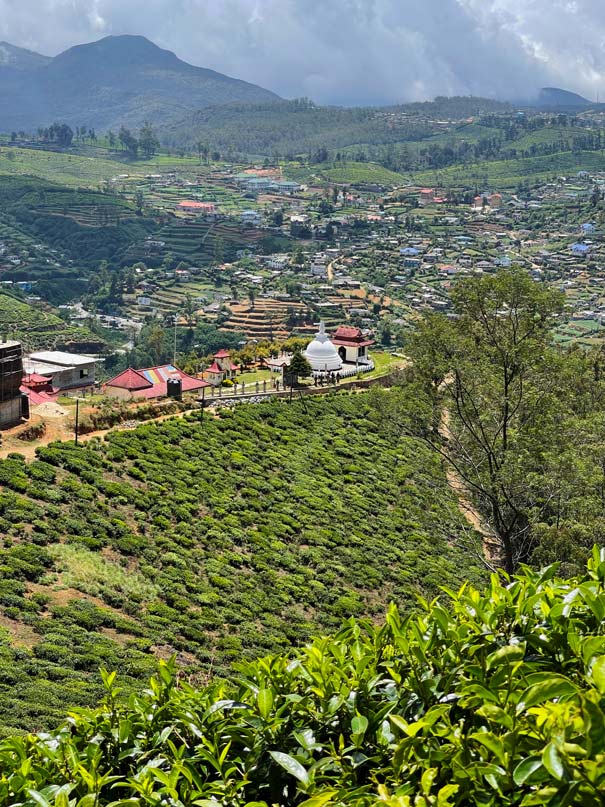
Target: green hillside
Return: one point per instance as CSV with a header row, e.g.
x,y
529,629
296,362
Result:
x,y
77,228
63,167
38,328
509,173
349,173
492,699
292,127
220,540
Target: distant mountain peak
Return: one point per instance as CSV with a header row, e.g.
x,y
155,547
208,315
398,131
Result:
x,y
20,58
114,81
556,97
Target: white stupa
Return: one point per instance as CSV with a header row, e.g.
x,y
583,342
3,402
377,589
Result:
x,y
321,353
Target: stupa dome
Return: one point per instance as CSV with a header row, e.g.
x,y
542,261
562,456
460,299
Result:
x,y
321,353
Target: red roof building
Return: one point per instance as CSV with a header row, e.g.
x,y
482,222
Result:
x,y
352,344
193,206
150,383
221,369
38,388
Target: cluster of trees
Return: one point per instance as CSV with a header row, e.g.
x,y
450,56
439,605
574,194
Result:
x,y
59,133
147,142
518,419
85,133
484,699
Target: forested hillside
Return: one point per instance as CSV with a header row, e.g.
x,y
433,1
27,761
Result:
x,y
219,540
292,127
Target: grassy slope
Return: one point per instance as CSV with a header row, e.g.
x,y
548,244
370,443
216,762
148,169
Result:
x,y
508,173
67,169
223,540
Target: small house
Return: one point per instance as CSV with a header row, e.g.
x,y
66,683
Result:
x,y
221,369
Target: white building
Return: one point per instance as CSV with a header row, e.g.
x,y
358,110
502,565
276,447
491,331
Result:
x,y
321,353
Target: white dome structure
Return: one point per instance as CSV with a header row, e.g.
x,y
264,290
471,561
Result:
x,y
321,353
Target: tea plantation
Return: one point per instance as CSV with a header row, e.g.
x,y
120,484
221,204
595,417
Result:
x,y
220,540
492,699
35,327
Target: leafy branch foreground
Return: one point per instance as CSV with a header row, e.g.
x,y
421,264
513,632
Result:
x,y
495,699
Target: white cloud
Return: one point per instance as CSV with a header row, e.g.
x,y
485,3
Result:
x,y
347,51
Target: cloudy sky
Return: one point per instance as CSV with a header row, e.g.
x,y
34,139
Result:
x,y
347,51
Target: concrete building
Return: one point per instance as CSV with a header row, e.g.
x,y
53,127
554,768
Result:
x,y
13,405
65,370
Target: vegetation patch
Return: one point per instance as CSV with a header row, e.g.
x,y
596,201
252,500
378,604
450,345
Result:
x,y
223,539
480,700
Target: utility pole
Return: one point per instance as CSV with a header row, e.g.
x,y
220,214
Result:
x,y
77,418
174,352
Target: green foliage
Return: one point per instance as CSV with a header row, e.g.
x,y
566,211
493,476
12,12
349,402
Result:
x,y
492,374
292,127
219,539
21,320
486,700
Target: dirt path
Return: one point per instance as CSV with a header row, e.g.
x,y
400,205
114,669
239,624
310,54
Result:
x,y
330,270
59,428
465,505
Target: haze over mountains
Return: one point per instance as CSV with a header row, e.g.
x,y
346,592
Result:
x,y
121,80
127,80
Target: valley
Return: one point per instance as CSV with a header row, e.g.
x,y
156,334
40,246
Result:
x,y
302,467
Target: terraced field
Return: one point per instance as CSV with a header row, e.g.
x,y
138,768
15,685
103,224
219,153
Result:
x,y
265,320
196,241
37,328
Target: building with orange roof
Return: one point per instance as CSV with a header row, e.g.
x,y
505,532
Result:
x,y
193,206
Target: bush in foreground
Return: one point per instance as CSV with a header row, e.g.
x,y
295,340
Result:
x,y
487,699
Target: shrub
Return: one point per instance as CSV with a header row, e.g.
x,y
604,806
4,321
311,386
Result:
x,y
481,700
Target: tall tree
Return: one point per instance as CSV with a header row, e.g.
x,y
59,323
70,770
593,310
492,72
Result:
x,y
148,142
299,367
492,372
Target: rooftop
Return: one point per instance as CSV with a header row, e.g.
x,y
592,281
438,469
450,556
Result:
x,y
61,358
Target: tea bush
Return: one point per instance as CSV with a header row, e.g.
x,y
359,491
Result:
x,y
492,699
219,539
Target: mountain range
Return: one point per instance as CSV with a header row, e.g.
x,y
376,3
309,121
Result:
x,y
116,81
127,80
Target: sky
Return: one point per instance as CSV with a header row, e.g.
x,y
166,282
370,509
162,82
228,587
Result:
x,y
347,51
